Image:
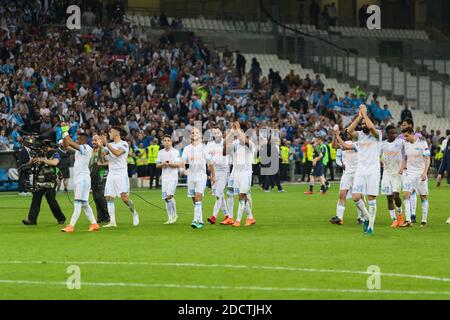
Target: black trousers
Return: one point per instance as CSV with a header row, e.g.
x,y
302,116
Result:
x,y
284,171
306,170
23,180
50,195
154,174
271,181
98,193
330,166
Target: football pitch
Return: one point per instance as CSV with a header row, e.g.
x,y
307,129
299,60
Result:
x,y
292,252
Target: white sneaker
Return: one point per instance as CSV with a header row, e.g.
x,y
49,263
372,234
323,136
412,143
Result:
x,y
135,219
168,222
448,220
22,194
110,225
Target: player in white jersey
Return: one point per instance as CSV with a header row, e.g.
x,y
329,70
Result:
x,y
216,151
347,158
196,156
408,123
117,183
169,161
416,174
242,151
81,181
367,174
392,158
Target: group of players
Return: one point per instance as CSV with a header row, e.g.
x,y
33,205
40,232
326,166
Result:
x,y
402,161
215,156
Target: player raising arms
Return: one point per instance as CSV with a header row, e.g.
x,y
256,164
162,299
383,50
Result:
x,y
82,179
416,174
215,149
169,161
393,157
367,174
242,150
197,157
117,183
347,159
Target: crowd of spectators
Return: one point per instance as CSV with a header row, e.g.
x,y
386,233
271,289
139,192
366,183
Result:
x,y
114,76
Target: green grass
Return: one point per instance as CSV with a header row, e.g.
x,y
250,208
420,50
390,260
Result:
x,y
292,230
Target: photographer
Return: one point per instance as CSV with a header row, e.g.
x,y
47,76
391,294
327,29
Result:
x,y
44,181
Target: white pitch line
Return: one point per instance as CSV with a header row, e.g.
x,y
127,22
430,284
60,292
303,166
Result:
x,y
208,287
229,266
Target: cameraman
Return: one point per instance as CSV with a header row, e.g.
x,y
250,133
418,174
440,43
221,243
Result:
x,y
45,167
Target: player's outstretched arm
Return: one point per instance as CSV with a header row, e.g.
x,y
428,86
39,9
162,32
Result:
x,y
369,122
352,127
67,140
341,143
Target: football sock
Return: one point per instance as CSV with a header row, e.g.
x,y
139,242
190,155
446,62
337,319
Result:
x,y
241,208
407,202
362,206
168,209
217,206
248,207
89,213
230,205
372,212
223,205
413,203
424,210
392,214
111,211
173,207
76,212
340,209
198,214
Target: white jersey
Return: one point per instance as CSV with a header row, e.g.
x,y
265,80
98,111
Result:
x,y
81,165
350,159
392,155
118,165
415,153
196,157
243,156
215,151
368,150
172,156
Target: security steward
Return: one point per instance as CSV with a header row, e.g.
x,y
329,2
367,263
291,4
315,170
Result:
x,y
45,183
99,171
152,155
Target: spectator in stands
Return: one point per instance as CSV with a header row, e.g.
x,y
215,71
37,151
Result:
x,y
16,138
406,114
314,13
4,141
362,16
163,21
240,63
88,17
332,14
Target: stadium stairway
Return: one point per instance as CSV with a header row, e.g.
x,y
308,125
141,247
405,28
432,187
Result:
x,y
268,61
368,70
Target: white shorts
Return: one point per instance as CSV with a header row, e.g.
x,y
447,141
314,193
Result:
x,y
168,187
218,188
413,182
347,181
116,184
391,183
81,188
196,185
242,183
368,184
